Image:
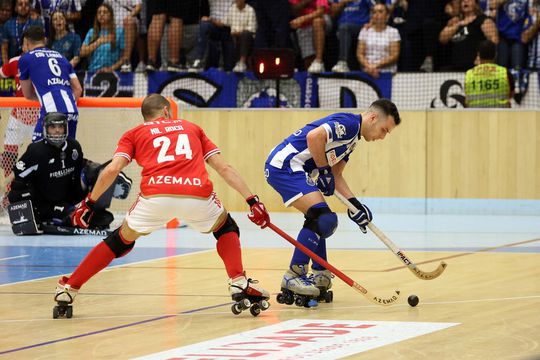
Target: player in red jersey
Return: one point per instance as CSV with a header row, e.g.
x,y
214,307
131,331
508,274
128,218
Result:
x,y
20,125
174,184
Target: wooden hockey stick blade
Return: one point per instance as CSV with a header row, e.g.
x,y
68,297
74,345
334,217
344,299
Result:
x,y
398,252
408,262
367,294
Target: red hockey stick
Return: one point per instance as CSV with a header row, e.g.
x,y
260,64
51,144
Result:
x,y
374,299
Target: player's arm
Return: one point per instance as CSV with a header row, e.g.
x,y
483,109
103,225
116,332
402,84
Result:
x,y
75,86
341,183
108,176
316,141
28,90
232,177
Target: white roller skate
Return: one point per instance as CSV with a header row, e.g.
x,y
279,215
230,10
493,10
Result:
x,y
298,288
247,295
64,296
323,281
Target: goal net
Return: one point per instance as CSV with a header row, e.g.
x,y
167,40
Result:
x,y
102,121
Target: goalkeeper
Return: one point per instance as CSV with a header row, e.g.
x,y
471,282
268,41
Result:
x,y
51,177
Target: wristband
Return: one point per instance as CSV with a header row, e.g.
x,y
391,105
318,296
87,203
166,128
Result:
x,y
252,200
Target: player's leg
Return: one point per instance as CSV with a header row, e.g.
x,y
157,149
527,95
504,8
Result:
x,y
208,215
38,129
73,119
299,191
321,276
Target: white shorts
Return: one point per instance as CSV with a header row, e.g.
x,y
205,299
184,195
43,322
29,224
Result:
x,y
305,37
149,214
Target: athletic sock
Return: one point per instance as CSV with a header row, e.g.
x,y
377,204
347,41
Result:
x,y
96,260
321,251
309,239
228,248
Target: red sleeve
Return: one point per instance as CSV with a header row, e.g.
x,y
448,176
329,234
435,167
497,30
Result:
x,y
9,70
208,147
126,146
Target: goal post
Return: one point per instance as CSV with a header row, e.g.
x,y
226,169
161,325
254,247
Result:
x,y
102,121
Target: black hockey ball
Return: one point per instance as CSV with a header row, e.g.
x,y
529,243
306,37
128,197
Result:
x,y
413,300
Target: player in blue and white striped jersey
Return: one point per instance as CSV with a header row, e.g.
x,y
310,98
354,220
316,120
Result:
x,y
310,162
531,35
47,76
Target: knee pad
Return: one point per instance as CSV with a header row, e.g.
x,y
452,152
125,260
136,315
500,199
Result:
x,y
321,220
117,246
228,226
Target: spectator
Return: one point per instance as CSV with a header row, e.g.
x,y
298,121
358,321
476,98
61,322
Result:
x,y
424,22
531,36
192,13
272,23
104,43
311,25
488,84
14,28
213,28
511,15
125,14
161,10
379,45
352,15
465,32
241,18
45,9
62,40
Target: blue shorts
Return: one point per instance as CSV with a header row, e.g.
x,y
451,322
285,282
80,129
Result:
x,y
291,186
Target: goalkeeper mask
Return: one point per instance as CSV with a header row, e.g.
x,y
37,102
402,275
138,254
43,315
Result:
x,y
50,133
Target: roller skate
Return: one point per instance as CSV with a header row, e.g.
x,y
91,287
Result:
x,y
298,288
64,296
248,296
323,281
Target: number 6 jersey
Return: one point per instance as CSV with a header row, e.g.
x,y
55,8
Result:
x,y
172,154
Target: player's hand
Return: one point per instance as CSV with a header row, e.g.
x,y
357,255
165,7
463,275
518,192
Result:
x,y
362,216
258,214
83,213
325,181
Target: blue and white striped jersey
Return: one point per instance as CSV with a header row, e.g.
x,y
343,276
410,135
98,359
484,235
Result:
x,y
343,132
50,74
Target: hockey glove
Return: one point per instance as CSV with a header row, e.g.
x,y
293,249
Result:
x,y
83,213
325,181
258,214
362,216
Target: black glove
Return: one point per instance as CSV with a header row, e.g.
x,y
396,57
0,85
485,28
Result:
x,y
362,216
325,181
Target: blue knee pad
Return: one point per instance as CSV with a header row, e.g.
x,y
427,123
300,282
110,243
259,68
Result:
x,y
321,220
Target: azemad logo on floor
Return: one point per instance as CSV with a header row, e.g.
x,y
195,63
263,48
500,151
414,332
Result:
x,y
304,339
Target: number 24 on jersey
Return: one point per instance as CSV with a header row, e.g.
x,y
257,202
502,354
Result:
x,y
182,147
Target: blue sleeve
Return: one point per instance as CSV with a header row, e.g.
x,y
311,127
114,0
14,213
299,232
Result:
x,y
342,126
23,68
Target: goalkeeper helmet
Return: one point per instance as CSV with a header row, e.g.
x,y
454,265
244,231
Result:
x,y
55,118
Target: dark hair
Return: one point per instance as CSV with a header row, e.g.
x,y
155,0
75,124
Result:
x,y
52,30
34,34
388,108
111,24
487,50
152,104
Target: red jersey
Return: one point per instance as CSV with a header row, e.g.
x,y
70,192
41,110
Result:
x,y
172,154
10,70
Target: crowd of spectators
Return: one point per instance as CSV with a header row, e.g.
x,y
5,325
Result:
x,y
338,35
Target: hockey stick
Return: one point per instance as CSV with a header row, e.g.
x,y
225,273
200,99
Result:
x,y
374,299
389,244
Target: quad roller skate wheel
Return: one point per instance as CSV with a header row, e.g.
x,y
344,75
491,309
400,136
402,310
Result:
x,y
280,298
62,311
264,304
299,301
235,308
255,310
